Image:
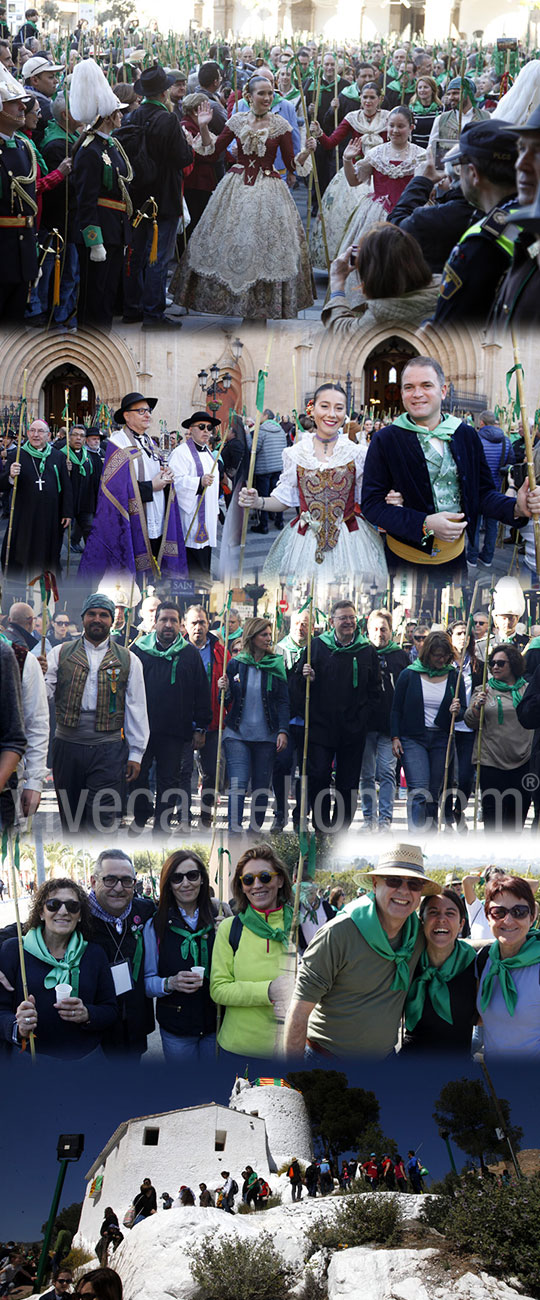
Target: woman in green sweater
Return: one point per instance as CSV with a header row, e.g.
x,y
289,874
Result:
x,y
250,954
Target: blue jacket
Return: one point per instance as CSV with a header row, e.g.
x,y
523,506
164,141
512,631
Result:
x,y
274,694
407,717
395,460
498,450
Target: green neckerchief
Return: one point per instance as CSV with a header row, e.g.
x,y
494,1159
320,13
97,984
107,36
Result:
x,y
233,636
190,946
418,667
40,454
255,922
434,980
157,102
443,432
501,967
396,85
148,643
385,649
290,650
64,970
422,110
74,457
329,639
272,664
534,644
55,132
352,92
366,920
505,688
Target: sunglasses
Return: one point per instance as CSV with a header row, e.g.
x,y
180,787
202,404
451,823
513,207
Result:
x,y
394,882
264,877
179,876
499,663
209,427
54,905
519,912
110,882
418,638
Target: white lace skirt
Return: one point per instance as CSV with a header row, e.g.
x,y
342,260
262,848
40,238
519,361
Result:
x,y
359,554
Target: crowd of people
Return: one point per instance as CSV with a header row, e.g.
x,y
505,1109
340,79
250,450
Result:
x,y
123,167
425,490
130,722
389,970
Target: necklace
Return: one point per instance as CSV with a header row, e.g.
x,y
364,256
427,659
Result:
x,y
326,442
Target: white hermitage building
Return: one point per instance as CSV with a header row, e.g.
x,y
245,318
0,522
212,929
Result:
x,y
264,1125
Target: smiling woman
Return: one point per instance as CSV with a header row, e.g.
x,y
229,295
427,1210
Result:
x,y
509,992
440,1010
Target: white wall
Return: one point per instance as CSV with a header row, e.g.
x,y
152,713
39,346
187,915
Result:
x,y
285,1116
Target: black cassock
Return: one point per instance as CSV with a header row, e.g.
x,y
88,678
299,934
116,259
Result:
x,y
84,486
43,499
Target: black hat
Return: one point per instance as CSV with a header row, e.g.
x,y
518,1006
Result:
x,y
198,416
532,124
152,81
492,141
130,400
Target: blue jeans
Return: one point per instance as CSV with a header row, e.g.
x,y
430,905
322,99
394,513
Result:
x,y
69,284
245,759
490,538
423,763
145,285
188,1049
378,764
265,484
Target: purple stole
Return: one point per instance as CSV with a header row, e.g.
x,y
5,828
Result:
x,y
119,539
201,534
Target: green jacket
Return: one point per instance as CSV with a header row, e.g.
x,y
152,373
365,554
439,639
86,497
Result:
x,y
239,982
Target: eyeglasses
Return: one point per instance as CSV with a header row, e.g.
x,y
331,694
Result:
x,y
499,663
264,877
71,906
209,427
110,882
62,622
139,410
519,912
179,876
63,1281
394,882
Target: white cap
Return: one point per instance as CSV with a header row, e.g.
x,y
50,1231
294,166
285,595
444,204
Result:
x,y
10,89
38,64
508,598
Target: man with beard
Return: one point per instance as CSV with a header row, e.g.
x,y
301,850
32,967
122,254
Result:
x,y
179,711
43,504
84,478
119,918
101,720
214,660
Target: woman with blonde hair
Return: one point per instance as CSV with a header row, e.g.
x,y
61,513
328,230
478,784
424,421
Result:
x,y
250,955
257,725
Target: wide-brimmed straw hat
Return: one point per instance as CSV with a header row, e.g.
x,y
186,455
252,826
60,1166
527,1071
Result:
x,y
405,860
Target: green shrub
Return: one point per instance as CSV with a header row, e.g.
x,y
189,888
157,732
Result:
x,y
239,1270
358,1221
435,1211
313,1288
501,1225
76,1258
270,1204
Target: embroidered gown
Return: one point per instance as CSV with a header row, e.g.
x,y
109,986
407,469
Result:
x,y
248,255
340,200
391,175
328,538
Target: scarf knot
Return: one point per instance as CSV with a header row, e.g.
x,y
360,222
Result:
x,y
366,920
434,980
500,968
256,922
64,969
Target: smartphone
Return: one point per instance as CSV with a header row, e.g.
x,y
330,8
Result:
x,y
352,258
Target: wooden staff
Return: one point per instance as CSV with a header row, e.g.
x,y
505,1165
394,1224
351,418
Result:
x,y
468,626
311,174
303,778
66,408
17,461
463,62
128,614
251,471
22,961
220,722
205,489
313,163
528,444
336,111
482,709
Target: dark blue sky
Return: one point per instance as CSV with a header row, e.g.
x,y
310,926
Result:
x,y
36,1105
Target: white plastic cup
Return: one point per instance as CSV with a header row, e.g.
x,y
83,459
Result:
x,y
198,970
63,991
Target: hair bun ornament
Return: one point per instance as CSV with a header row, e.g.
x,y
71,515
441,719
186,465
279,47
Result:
x,y
309,407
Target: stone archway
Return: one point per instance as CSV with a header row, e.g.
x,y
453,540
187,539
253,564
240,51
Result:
x,y
81,398
104,359
382,374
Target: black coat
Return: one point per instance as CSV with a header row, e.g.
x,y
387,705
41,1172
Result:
x,y
19,262
56,1037
391,665
408,716
174,708
37,534
187,1015
518,298
436,226
169,148
473,272
339,710
135,1010
88,183
54,201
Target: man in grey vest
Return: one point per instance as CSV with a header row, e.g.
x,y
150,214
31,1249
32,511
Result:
x,y
101,720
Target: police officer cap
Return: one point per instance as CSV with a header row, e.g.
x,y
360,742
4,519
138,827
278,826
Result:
x,y
492,141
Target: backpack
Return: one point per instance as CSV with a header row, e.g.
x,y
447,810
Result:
x,y
145,170
234,1187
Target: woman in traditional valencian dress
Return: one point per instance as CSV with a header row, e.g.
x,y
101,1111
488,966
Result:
x,y
248,255
322,479
391,166
367,127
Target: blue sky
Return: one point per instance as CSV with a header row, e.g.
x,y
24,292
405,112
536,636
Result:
x,y
36,1105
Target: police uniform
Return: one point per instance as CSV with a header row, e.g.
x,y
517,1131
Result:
x,y
475,266
518,299
101,175
18,241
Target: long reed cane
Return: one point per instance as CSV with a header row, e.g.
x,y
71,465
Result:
x,y
22,961
313,163
220,724
468,626
17,461
303,779
482,710
528,444
251,471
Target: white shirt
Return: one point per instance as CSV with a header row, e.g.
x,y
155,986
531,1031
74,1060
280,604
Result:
x,y
186,483
146,469
434,133
33,766
136,728
480,927
433,694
